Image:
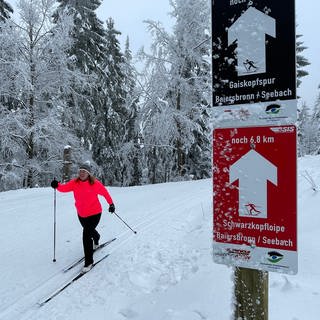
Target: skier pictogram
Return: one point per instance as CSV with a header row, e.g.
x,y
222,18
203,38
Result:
x,y
252,209
249,64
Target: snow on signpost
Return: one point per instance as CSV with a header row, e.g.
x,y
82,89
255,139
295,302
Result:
x,y
255,208
253,62
254,94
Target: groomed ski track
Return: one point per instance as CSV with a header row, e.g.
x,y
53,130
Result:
x,y
153,211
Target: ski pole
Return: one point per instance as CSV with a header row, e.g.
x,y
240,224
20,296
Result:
x,y
126,224
54,225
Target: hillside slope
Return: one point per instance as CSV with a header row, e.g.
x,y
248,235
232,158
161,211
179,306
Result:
x,y
164,272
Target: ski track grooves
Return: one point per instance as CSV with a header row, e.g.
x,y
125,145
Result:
x,y
23,307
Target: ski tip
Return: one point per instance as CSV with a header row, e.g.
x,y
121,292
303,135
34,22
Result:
x,y
41,304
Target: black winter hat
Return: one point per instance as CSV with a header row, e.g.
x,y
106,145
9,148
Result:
x,y
85,166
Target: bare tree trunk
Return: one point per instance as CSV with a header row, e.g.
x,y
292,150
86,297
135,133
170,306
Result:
x,y
181,159
66,164
30,146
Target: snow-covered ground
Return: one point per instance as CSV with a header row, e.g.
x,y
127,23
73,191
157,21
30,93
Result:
x,y
163,272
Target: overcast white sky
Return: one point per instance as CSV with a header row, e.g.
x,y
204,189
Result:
x,y
307,15
129,16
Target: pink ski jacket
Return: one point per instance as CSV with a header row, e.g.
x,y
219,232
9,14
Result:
x,y
86,196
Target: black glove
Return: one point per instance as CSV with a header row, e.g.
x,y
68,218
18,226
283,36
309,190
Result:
x,y
54,184
112,208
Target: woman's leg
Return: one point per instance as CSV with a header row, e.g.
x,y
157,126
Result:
x,y
89,225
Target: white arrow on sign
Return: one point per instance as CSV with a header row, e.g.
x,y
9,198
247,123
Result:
x,y
253,172
250,30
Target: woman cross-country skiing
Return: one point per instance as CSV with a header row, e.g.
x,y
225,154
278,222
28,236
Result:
x,y
86,189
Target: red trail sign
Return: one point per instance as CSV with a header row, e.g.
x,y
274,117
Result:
x,y
255,197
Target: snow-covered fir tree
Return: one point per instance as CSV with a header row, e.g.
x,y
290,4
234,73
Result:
x,y
305,130
130,152
88,32
301,60
34,76
111,113
315,128
182,95
193,86
304,121
157,131
88,51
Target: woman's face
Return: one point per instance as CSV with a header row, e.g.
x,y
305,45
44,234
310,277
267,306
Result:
x,y
83,175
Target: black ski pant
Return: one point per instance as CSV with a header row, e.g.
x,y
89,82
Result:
x,y
90,233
